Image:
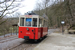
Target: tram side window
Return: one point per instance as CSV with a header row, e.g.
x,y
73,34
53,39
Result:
x,y
40,22
21,21
45,24
34,22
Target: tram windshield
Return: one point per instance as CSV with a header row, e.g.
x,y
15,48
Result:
x,y
28,22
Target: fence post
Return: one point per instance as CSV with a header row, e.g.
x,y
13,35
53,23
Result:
x,y
16,30
4,33
12,31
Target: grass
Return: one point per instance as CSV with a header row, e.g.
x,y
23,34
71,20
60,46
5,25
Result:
x,y
1,34
57,32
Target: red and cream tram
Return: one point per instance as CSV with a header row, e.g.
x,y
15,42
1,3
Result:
x,y
32,27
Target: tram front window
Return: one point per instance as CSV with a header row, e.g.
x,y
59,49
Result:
x,y
34,22
28,22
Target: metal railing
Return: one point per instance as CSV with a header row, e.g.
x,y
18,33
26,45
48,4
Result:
x,y
4,33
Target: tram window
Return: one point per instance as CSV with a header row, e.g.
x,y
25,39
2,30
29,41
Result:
x,y
21,21
34,22
40,22
45,23
28,22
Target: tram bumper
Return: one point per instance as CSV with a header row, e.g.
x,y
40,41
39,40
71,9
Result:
x,y
26,37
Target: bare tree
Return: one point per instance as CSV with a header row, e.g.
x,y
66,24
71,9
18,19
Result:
x,y
45,4
70,11
38,7
6,27
8,7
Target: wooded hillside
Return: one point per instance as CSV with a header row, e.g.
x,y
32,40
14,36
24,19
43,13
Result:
x,y
57,12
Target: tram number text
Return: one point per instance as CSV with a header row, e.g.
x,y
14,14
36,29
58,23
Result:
x,y
28,15
27,33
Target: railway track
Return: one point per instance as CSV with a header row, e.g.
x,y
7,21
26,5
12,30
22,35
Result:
x,y
8,39
24,46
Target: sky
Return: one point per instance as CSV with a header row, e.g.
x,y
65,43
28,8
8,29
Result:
x,y
28,6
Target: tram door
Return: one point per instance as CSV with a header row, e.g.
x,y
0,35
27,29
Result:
x,y
28,24
30,27
41,28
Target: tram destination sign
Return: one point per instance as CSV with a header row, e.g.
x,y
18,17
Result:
x,y
28,16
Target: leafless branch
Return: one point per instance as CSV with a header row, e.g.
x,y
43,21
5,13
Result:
x,y
8,7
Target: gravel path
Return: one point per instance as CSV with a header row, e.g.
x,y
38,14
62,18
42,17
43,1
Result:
x,y
57,41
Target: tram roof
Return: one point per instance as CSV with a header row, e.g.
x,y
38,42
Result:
x,y
30,16
33,15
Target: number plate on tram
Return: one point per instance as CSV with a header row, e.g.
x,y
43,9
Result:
x,y
27,33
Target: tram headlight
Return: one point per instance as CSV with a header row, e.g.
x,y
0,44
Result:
x,y
28,29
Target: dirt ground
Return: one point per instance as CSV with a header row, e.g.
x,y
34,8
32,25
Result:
x,y
57,41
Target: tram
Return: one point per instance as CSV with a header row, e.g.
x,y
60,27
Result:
x,y
32,26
